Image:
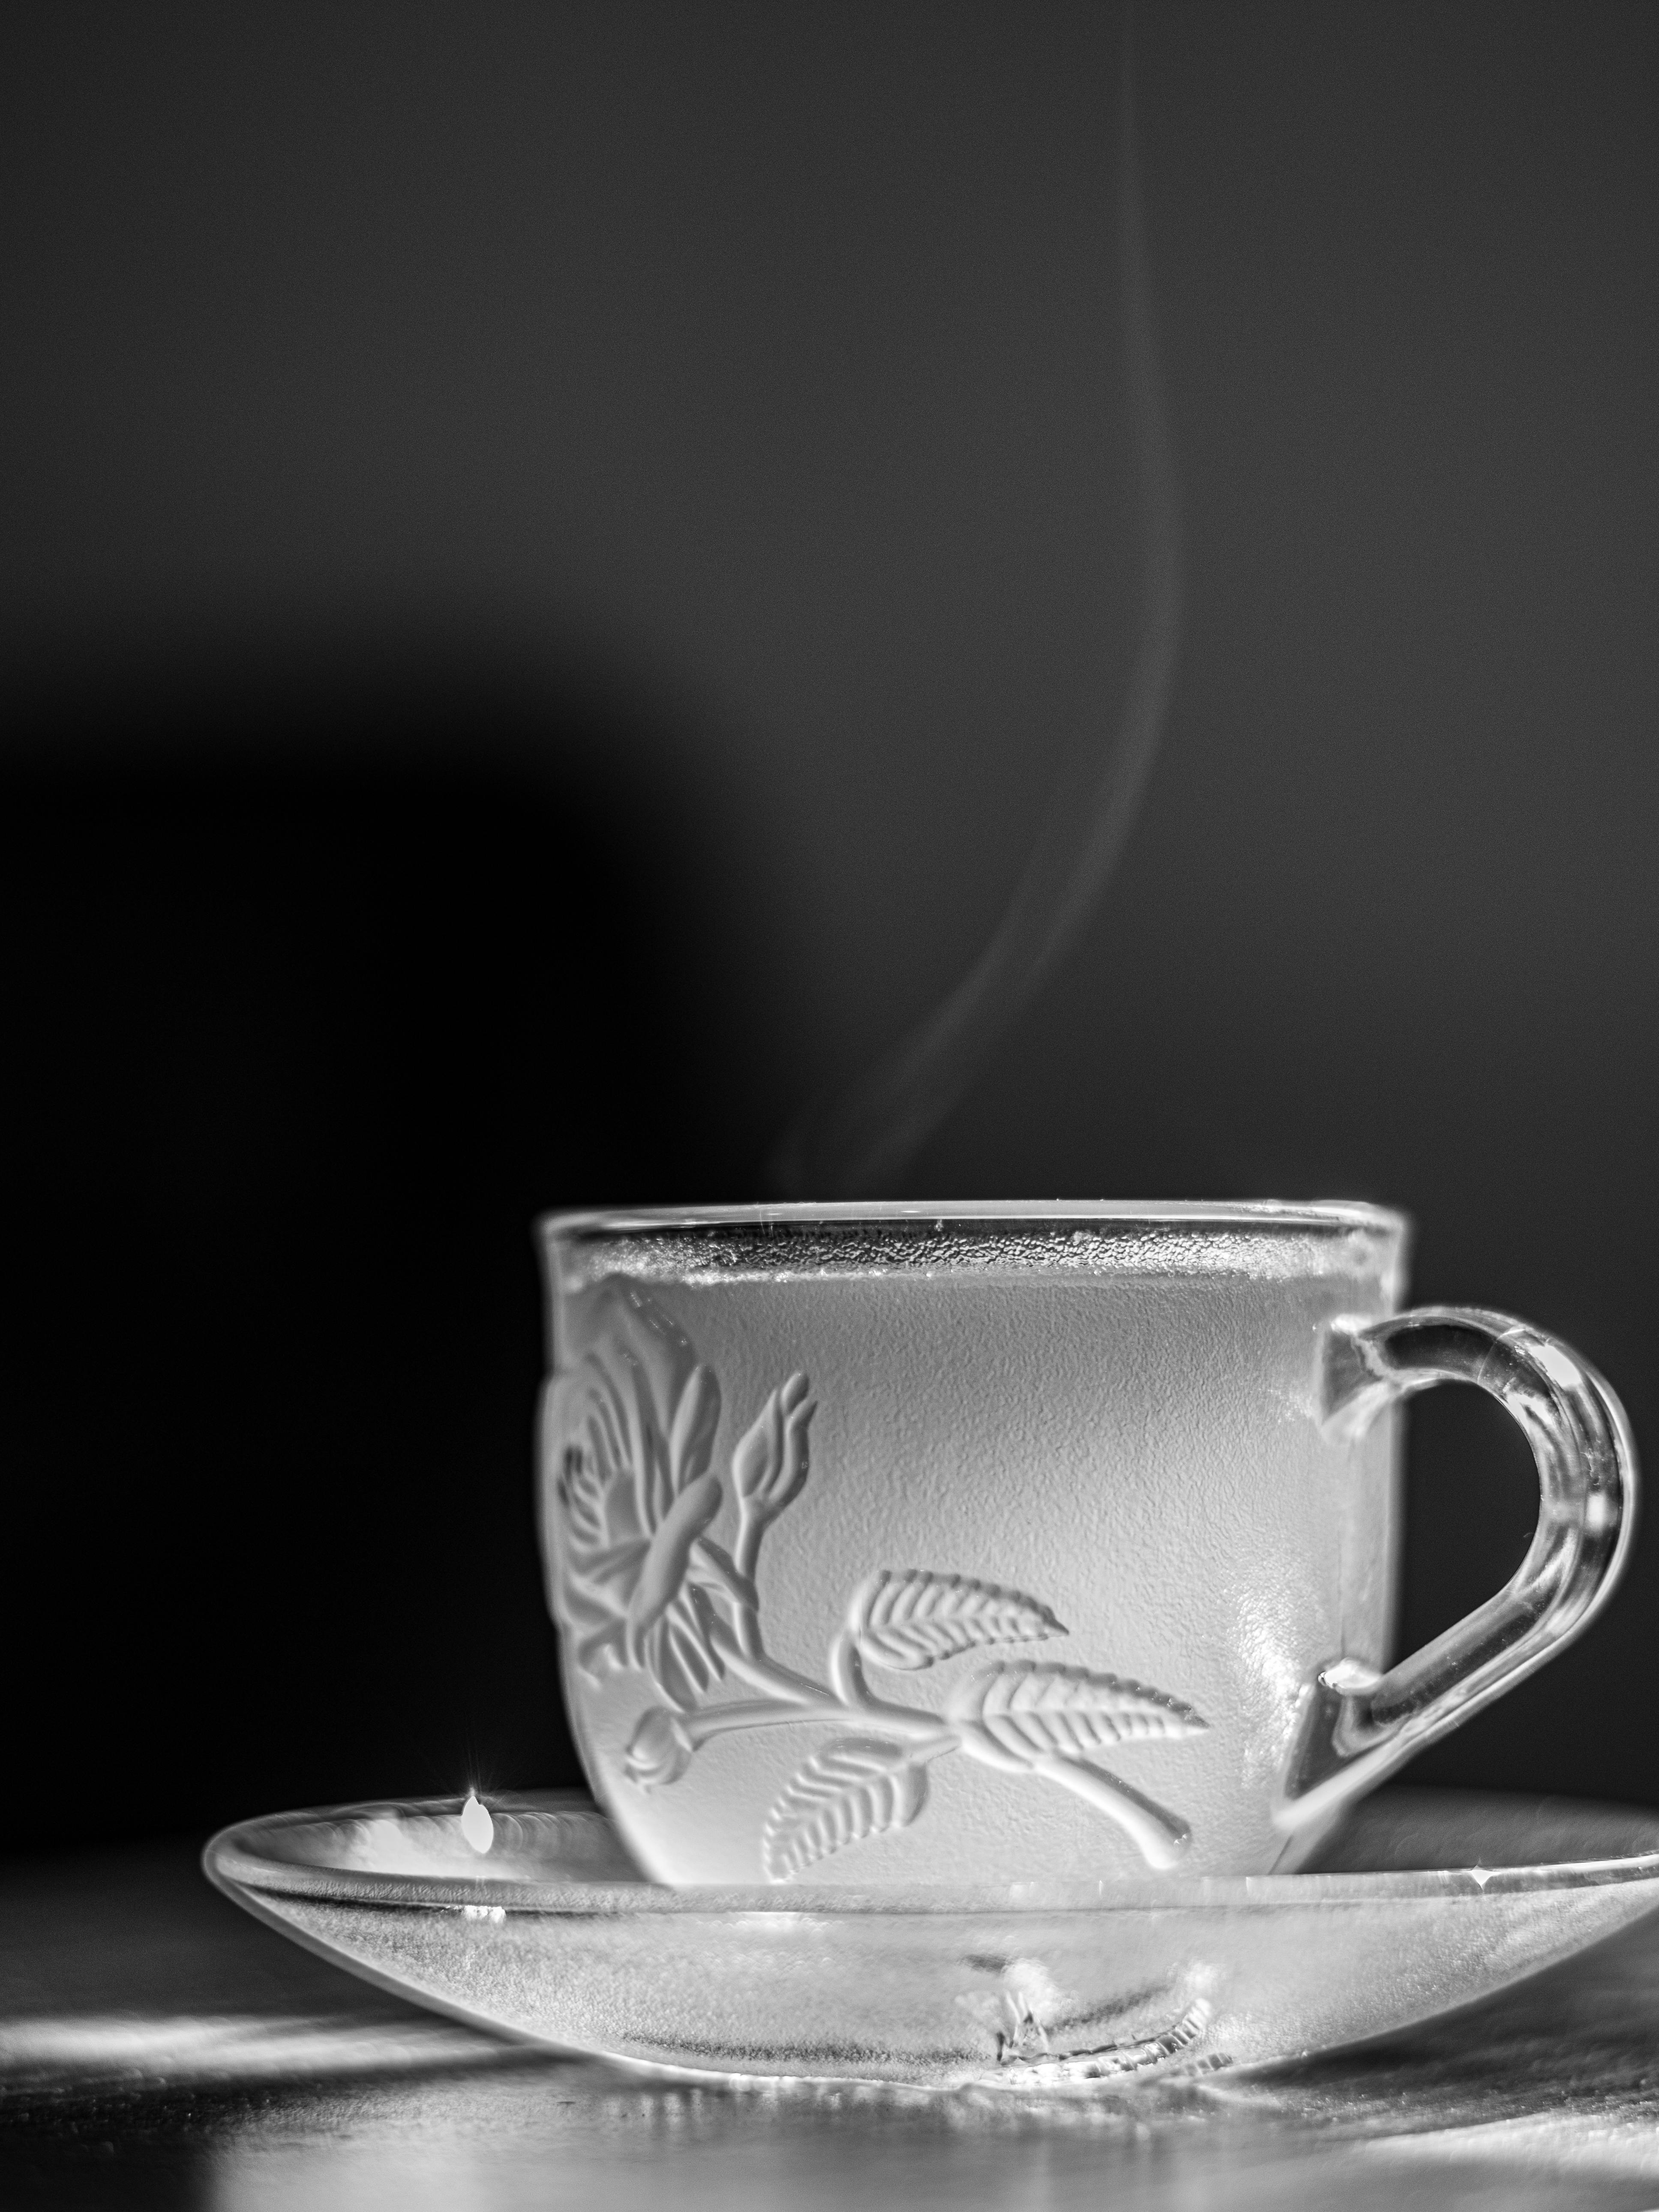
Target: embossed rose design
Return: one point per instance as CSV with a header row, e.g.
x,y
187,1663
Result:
x,y
641,1583
632,1431
660,1750
771,1462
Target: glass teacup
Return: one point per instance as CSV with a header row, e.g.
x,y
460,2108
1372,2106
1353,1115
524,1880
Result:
x,y
1013,1543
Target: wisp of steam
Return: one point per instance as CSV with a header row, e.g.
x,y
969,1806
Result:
x,y
858,1143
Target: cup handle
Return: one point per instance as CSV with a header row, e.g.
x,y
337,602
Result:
x,y
1358,1724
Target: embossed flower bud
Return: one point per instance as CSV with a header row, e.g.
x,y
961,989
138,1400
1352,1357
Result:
x,y
771,1461
659,1751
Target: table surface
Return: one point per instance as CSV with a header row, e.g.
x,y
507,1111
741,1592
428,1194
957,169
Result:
x,y
158,2047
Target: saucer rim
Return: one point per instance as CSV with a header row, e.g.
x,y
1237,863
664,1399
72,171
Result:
x,y
232,1861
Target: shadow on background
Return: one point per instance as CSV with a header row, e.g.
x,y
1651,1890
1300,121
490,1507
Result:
x,y
318,995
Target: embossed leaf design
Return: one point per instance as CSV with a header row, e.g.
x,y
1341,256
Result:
x,y
1032,1710
856,1786
910,1621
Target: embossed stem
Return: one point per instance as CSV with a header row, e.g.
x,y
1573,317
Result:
x,y
737,1585
847,1679
845,1672
710,1720
745,1554
927,1741
793,1698
1160,1837
859,1701
752,1666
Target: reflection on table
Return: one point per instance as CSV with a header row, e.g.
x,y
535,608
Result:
x,y
157,2048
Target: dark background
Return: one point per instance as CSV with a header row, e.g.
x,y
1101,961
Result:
x,y
549,558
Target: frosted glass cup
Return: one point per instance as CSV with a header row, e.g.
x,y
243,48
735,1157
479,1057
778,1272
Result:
x,y
1019,1543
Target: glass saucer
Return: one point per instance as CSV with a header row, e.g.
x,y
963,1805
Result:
x,y
1428,1900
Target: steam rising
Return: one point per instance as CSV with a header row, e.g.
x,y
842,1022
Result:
x,y
859,1144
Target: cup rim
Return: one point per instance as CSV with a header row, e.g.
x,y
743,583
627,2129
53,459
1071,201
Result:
x,y
1331,1214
